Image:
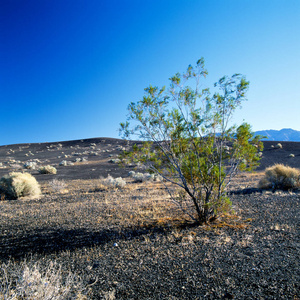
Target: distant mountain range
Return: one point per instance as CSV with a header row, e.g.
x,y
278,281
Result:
x,y
286,134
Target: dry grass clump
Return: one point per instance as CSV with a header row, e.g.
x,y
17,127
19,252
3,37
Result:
x,y
16,185
280,177
142,177
114,160
140,205
30,165
91,202
66,163
57,186
113,182
47,170
31,281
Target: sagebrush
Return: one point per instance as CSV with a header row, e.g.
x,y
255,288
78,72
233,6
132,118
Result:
x,y
142,177
280,177
109,181
16,185
47,170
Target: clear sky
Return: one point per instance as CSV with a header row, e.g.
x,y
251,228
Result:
x,y
69,68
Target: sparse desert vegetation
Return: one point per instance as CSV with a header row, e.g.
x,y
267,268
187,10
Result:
x,y
57,186
47,170
280,177
111,182
188,140
16,185
136,242
29,280
141,177
96,241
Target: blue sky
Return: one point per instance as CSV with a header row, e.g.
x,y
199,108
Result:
x,y
69,68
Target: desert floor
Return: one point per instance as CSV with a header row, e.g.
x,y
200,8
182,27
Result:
x,y
134,242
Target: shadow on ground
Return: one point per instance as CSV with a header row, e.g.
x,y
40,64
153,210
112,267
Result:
x,y
48,241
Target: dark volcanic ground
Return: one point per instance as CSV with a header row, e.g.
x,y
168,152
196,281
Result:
x,y
255,257
97,154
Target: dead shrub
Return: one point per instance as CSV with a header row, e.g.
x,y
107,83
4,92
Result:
x,y
280,177
16,185
35,282
57,185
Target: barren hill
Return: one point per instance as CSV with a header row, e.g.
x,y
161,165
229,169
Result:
x,y
92,158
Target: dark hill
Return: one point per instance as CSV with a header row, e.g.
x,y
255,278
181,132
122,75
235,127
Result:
x,y
95,157
273,155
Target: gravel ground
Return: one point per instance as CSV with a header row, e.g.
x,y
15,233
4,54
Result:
x,y
260,261
122,246
254,255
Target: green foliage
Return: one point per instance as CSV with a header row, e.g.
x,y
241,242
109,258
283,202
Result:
x,y
188,140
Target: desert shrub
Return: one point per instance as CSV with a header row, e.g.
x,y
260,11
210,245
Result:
x,y
142,177
280,177
131,173
80,159
66,163
113,182
47,170
188,138
16,185
30,165
57,185
120,148
33,282
114,160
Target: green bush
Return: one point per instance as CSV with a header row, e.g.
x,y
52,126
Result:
x,y
280,177
47,170
188,138
16,185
